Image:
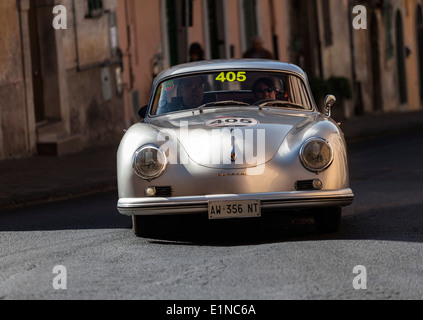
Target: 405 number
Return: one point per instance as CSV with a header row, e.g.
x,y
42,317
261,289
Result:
x,y
232,77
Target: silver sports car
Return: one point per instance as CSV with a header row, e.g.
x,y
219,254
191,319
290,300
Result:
x,y
231,139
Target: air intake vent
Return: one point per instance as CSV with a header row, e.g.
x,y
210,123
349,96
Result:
x,y
306,185
164,192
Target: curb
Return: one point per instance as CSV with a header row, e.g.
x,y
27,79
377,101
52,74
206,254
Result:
x,y
373,134
373,125
44,179
56,196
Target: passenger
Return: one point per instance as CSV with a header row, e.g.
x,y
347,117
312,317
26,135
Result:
x,y
264,89
192,92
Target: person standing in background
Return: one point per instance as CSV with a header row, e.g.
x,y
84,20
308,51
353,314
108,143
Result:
x,y
196,52
257,51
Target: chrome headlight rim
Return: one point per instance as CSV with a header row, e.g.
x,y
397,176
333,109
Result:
x,y
141,174
305,163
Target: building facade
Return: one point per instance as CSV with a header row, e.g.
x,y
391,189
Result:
x,y
59,87
155,35
380,62
14,97
65,89
389,56
382,58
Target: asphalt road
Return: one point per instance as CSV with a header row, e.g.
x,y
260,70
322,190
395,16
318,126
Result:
x,y
276,259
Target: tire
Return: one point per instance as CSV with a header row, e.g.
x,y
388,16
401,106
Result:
x,y
144,226
328,220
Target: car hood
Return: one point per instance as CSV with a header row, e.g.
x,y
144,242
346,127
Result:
x,y
233,138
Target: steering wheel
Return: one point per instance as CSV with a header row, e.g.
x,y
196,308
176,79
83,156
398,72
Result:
x,y
264,101
163,107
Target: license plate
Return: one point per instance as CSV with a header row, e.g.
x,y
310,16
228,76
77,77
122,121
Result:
x,y
234,209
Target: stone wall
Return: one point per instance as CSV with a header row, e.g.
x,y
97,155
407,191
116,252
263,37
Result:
x,y
13,118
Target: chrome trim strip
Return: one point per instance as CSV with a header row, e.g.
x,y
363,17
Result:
x,y
199,204
233,152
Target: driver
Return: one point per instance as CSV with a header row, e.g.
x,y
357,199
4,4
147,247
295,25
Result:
x,y
192,92
264,89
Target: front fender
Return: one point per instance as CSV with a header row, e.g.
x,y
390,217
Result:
x,y
138,135
288,157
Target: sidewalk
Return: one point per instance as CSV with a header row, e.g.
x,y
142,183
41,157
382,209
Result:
x,y
371,125
41,179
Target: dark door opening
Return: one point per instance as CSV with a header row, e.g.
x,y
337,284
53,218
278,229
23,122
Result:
x,y
37,79
216,29
419,26
177,30
305,39
375,61
250,21
402,81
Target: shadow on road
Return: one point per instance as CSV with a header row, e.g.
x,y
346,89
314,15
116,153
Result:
x,y
99,212
401,223
93,212
200,231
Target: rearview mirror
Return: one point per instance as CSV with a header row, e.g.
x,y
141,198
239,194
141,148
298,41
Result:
x,y
329,102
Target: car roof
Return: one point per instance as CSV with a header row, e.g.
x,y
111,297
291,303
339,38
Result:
x,y
243,64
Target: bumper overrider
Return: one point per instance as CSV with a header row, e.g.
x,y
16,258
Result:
x,y
269,201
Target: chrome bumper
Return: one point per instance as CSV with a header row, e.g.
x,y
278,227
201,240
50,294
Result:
x,y
269,201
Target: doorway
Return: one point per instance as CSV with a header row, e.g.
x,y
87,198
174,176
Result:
x,y
37,79
305,38
402,80
419,33
249,8
217,25
375,64
177,27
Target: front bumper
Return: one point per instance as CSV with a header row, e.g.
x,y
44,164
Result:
x,y
269,201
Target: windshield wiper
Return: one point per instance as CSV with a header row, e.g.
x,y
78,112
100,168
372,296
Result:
x,y
221,103
284,103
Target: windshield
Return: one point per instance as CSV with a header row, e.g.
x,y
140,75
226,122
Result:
x,y
232,88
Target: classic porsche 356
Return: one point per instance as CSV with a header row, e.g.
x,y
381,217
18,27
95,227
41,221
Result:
x,y
231,139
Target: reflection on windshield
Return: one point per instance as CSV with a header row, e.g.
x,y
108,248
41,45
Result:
x,y
244,88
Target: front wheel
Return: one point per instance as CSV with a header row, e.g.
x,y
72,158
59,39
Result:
x,y
328,220
144,226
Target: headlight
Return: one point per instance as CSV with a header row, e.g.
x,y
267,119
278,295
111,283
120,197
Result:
x,y
316,154
149,162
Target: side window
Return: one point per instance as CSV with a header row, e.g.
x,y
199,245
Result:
x,y
298,92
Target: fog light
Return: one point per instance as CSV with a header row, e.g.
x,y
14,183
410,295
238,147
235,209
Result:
x,y
150,192
317,184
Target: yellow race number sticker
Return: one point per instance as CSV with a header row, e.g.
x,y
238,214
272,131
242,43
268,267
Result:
x,y
232,77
